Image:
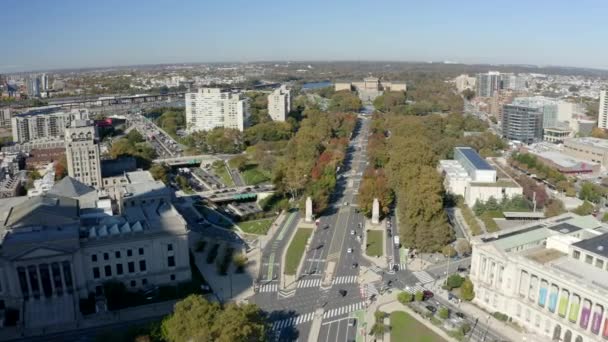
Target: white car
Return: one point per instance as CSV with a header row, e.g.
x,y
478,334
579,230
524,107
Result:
x,y
350,250
352,232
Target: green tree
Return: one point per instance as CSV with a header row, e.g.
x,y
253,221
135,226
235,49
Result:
x,y
240,261
454,281
591,192
419,296
405,297
449,251
134,137
160,172
182,182
554,207
467,292
345,101
584,209
194,318
239,162
444,313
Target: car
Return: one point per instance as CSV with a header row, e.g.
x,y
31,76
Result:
x,y
350,250
352,322
352,232
431,308
342,292
427,294
462,269
460,315
355,265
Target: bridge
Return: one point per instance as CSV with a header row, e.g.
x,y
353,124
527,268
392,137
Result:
x,y
187,160
238,193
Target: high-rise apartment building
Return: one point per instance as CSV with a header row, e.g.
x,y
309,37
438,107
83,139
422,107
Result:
x,y
44,82
602,120
279,103
488,83
523,123
82,153
213,107
33,86
44,123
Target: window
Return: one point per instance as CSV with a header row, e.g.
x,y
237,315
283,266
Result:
x,y
96,272
144,282
170,247
129,252
588,258
94,258
133,283
106,256
142,265
117,254
599,263
119,270
108,270
171,261
576,254
131,266
172,277
141,251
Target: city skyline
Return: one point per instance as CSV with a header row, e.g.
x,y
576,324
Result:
x,y
118,34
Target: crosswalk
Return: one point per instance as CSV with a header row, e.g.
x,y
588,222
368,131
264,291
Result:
x,y
291,321
315,282
343,310
376,269
269,288
415,288
399,266
344,280
424,277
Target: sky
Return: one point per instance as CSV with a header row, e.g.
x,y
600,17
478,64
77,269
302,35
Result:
x,y
43,34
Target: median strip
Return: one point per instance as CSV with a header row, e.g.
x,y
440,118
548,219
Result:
x,y
296,250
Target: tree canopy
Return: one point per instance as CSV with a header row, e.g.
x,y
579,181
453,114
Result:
x,y
196,319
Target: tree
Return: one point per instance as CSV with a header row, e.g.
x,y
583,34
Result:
x,y
61,168
448,251
405,297
468,94
463,247
240,261
239,162
194,318
160,172
182,182
444,313
597,132
134,137
378,329
467,292
344,101
419,296
554,207
454,281
584,209
591,192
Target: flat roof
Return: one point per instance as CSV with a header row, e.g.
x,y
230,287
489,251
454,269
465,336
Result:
x,y
597,245
565,228
501,183
589,141
475,159
524,214
544,255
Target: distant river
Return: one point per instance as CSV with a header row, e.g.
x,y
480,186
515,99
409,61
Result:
x,y
316,85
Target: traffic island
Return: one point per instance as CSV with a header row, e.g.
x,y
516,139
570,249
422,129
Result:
x,y
373,243
293,256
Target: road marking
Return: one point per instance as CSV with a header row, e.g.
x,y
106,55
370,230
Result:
x,y
343,310
335,320
424,277
415,288
309,283
291,321
270,268
344,280
285,225
269,288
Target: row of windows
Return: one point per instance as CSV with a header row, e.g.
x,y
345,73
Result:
x,y
599,263
107,269
118,255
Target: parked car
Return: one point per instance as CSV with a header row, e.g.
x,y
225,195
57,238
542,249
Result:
x,y
352,322
350,250
352,232
427,294
355,265
431,308
460,315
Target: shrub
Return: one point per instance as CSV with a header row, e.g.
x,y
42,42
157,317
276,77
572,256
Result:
x,y
444,313
419,296
405,297
467,291
500,316
454,281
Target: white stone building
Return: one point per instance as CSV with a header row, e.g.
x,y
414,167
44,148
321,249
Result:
x,y
279,103
550,277
44,123
213,107
59,248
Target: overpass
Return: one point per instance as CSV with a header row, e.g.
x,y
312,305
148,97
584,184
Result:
x,y
187,160
115,100
238,193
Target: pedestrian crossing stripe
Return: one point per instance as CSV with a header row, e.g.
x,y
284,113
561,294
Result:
x,y
344,280
343,310
424,277
399,266
269,288
309,283
291,321
415,288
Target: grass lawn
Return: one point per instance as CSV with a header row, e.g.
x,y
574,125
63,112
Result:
x,y
296,250
406,328
221,171
374,243
253,175
256,226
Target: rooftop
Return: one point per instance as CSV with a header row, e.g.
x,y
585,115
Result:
x,y
472,156
597,245
544,255
590,141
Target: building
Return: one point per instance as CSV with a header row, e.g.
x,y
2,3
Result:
x,y
213,107
556,135
33,86
6,115
82,153
513,82
473,178
44,82
464,81
549,276
44,123
60,248
553,156
279,103
487,83
370,88
587,148
498,100
523,122
602,119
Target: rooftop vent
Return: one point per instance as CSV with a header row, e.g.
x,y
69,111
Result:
x,y
600,248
